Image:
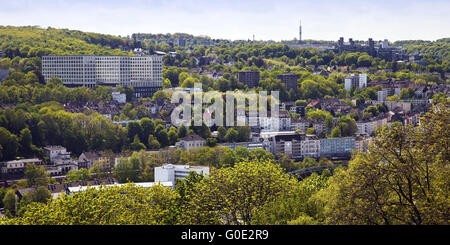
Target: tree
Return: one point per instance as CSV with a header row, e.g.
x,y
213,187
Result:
x,y
153,143
25,142
9,143
393,98
133,129
347,126
41,194
172,135
403,179
162,137
243,133
9,201
148,127
221,133
336,133
211,142
36,175
286,163
78,175
311,131
296,207
232,135
127,170
182,131
230,195
115,205
137,145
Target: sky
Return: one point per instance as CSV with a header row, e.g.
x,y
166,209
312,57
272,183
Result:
x,y
240,19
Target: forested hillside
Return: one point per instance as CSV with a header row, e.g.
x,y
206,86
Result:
x,y
23,47
439,48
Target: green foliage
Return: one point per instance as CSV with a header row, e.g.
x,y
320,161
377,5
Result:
x,y
78,175
36,175
230,195
294,207
116,205
403,179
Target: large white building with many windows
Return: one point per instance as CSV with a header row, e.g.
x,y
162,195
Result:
x,y
143,73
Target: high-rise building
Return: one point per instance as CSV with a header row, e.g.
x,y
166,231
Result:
x,y
290,80
250,78
355,81
143,73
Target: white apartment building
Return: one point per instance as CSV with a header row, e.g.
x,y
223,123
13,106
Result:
x,y
310,146
355,81
367,128
170,172
143,73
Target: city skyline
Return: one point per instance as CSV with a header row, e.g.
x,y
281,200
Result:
x,y
235,20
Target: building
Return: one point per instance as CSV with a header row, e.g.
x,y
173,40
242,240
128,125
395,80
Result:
x,y
143,73
333,147
16,168
290,80
250,78
288,144
303,124
293,144
368,127
170,172
119,97
353,81
186,90
76,189
248,145
55,153
381,50
87,159
387,92
190,142
270,122
310,146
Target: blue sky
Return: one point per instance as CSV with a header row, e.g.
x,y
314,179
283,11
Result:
x,y
234,19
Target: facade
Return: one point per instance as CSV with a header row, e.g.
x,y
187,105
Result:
x,y
337,146
250,78
248,145
310,146
17,167
55,153
386,92
292,144
353,81
303,124
289,145
87,159
368,127
290,80
143,73
170,172
272,123
190,142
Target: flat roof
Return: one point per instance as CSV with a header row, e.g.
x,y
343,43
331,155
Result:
x,y
142,184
